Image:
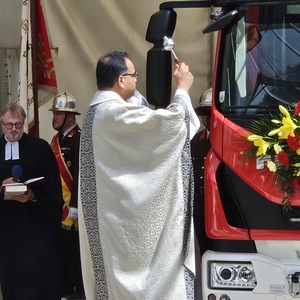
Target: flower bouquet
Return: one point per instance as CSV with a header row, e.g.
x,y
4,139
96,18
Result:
x,y
277,139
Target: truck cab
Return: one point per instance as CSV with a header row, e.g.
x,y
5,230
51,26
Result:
x,y
255,252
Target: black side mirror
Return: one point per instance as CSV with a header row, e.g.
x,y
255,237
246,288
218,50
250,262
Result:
x,y
221,22
159,63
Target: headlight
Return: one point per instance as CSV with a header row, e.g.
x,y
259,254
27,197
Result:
x,y
237,275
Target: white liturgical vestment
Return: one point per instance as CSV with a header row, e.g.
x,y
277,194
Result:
x,y
135,203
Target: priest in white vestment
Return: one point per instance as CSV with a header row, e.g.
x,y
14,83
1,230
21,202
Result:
x,y
136,190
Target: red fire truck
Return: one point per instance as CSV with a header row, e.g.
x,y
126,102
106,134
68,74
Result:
x,y
256,243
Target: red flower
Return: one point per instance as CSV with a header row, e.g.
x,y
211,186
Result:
x,y
297,109
293,142
283,158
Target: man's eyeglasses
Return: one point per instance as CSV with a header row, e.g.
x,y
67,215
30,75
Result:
x,y
133,75
18,125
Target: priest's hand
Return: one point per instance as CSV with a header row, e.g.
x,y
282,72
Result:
x,y
182,76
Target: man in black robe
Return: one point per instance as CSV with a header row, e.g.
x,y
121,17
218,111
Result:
x,y
200,145
29,223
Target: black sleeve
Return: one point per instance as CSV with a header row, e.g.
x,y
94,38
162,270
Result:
x,y
75,169
49,200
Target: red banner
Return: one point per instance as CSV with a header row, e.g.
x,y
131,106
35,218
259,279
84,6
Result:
x,y
46,77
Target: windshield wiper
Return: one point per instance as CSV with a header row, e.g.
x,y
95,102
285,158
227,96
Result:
x,y
265,80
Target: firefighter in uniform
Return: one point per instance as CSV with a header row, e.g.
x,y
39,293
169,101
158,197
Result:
x,y
200,145
65,145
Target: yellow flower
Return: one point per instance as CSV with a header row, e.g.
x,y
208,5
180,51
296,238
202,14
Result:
x,y
275,121
271,166
260,143
288,125
262,146
273,132
254,137
287,128
284,110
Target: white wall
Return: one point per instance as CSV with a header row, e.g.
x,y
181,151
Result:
x,y
85,30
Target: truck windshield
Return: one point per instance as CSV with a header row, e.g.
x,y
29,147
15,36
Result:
x,y
260,64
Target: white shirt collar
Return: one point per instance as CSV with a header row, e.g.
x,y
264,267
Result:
x,y
68,130
11,150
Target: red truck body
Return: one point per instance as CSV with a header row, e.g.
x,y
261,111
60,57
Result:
x,y
255,252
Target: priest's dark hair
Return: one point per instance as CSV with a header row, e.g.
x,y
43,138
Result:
x,y
110,67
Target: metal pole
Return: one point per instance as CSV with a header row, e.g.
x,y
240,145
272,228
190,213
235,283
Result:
x,y
34,67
